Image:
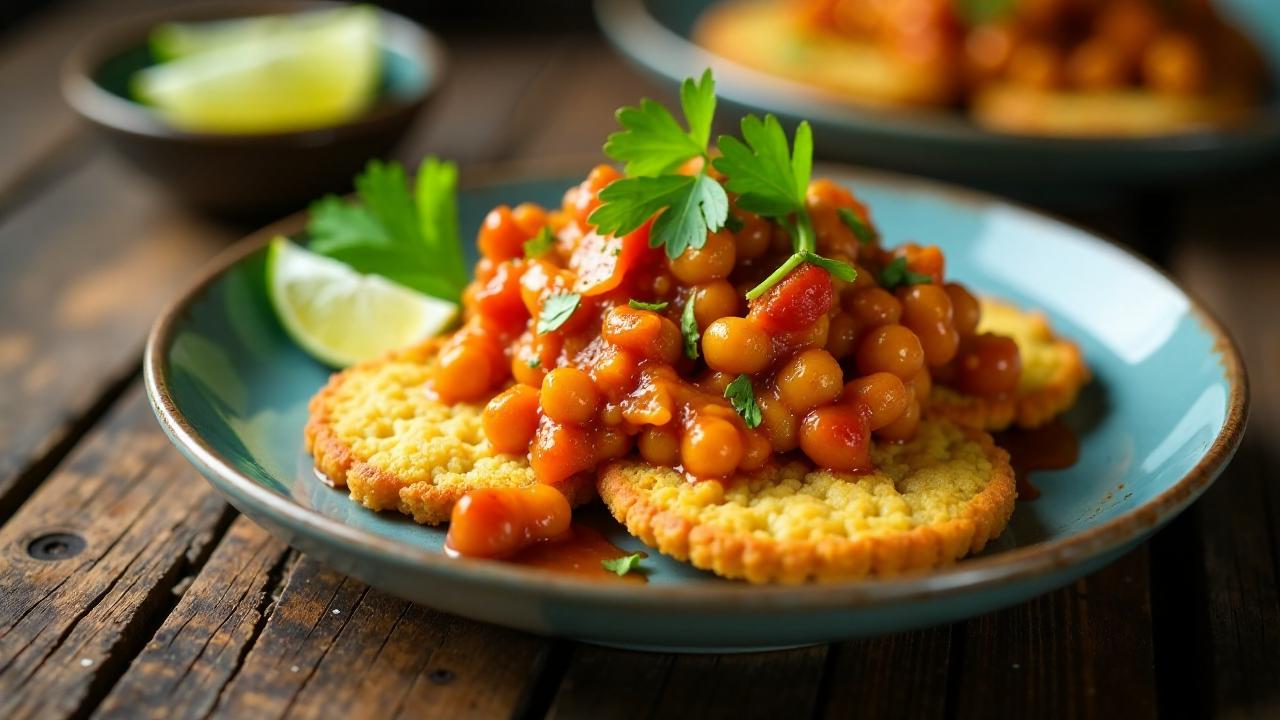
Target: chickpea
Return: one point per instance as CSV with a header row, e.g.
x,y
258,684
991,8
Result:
x,y
611,443
511,418
779,423
891,348
927,311
493,522
711,447
904,428
842,336
965,309
501,238
713,261
643,332
659,445
736,345
987,49
1174,64
809,379
873,307
569,396
615,371
754,237
560,451
882,394
988,365
837,437
714,300
758,451
462,373
716,382
1097,65
1036,65
922,385
530,217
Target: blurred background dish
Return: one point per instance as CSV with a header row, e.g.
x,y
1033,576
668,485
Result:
x,y
1187,105
254,107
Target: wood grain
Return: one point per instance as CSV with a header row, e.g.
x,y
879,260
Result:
x,y
182,670
1079,652
605,683
333,647
87,267
71,625
864,677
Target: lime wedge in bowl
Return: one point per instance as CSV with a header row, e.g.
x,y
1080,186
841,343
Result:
x,y
340,316
270,74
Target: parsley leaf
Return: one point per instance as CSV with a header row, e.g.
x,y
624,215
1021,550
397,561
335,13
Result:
x,y
689,330
557,309
539,244
407,236
743,398
652,142
897,273
690,206
768,177
862,231
655,307
625,564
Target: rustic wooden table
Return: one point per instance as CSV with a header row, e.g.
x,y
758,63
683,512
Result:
x,y
129,588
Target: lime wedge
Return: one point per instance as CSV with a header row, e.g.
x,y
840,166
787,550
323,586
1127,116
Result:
x,y
342,317
271,74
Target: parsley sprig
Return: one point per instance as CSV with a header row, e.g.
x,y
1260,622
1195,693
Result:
x,y
408,234
771,178
653,146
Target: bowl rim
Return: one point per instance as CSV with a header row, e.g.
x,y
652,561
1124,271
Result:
x,y
988,572
645,40
103,107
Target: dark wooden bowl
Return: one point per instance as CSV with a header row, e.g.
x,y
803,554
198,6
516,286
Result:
x,y
246,174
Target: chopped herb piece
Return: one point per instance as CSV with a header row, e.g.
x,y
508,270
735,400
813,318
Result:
x,y
557,309
689,330
539,244
733,223
625,564
982,12
690,206
655,306
896,273
743,398
534,363
861,230
839,270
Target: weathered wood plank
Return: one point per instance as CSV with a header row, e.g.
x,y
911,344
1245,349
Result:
x,y
605,683
336,648
182,670
1082,651
865,678
70,625
87,267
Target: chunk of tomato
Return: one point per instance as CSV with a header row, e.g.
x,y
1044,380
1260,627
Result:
x,y
602,261
803,296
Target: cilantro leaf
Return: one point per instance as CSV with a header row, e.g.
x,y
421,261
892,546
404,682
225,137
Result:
x,y
625,564
690,206
689,329
539,244
655,307
408,237
652,142
768,177
861,230
896,273
743,399
557,309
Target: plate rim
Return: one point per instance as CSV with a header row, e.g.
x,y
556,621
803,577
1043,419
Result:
x,y
636,32
973,574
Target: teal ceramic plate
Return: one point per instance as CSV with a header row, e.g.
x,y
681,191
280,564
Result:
x,y
655,35
1157,425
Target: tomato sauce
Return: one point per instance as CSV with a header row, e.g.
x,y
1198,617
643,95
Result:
x,y
580,552
1053,446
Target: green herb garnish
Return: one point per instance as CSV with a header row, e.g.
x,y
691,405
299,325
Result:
x,y
743,398
981,12
733,223
625,564
405,234
533,363
896,274
771,179
689,330
557,309
539,244
653,146
655,306
861,230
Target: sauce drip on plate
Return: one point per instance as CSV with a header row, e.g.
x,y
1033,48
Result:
x,y
1050,447
579,552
